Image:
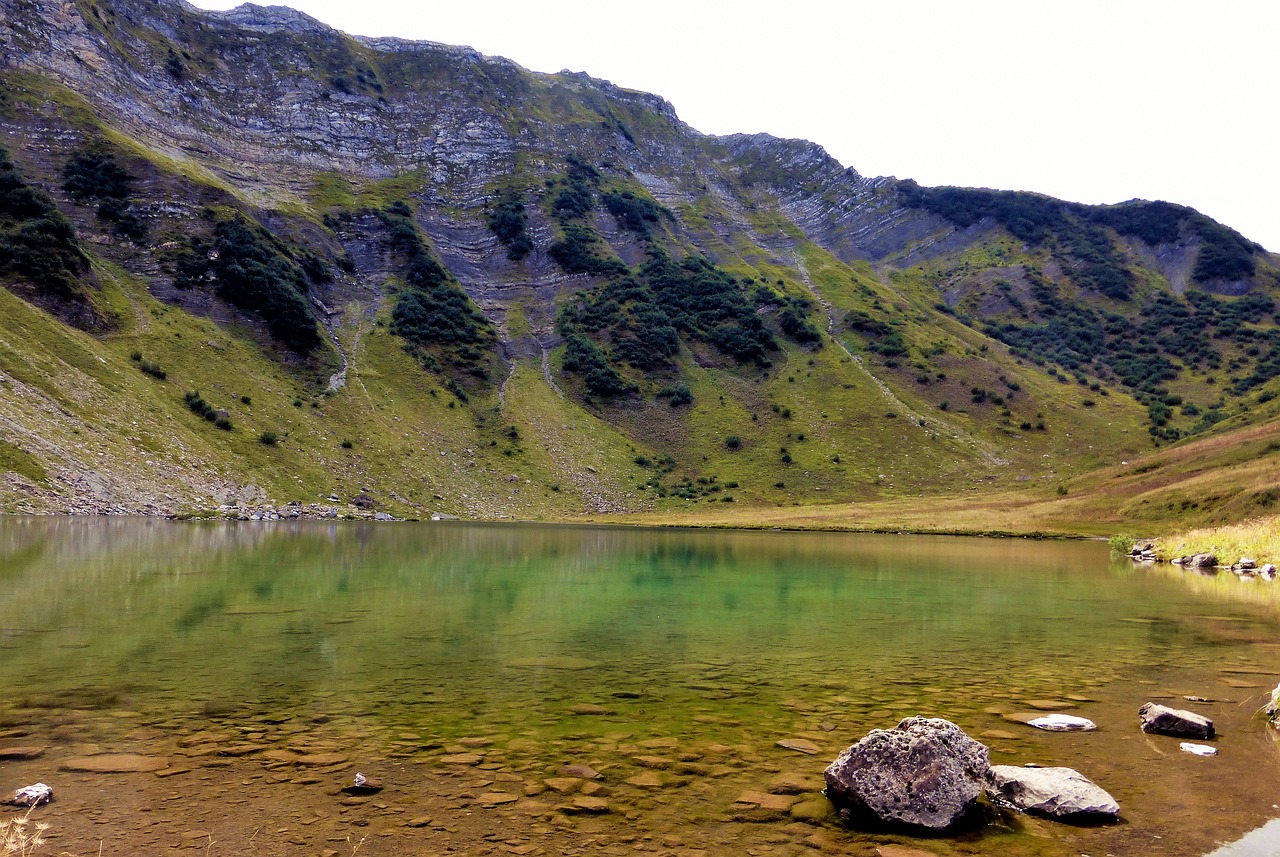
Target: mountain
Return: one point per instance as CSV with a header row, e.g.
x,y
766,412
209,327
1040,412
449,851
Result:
x,y
251,261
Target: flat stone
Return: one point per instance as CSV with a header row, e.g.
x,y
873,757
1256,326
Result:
x,y
115,763
320,760
800,745
462,759
999,734
1063,723
20,754
172,772
280,756
582,771
418,821
1050,704
646,780
765,800
594,805
564,785
475,742
1198,749
655,761
794,784
237,750
590,708
496,798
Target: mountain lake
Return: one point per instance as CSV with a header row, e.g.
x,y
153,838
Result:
x,y
553,689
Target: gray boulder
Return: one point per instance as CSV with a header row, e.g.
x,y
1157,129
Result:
x,y
925,772
1202,560
1061,793
1174,721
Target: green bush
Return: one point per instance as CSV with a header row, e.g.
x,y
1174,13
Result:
x,y
269,438
633,211
253,270
92,175
37,242
507,220
435,317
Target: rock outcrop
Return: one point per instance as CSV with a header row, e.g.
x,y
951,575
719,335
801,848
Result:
x,y
925,773
1060,793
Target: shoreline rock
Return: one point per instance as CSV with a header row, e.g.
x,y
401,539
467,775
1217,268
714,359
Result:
x,y
924,773
1063,794
1162,720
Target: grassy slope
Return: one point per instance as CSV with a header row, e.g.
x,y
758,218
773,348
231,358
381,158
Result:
x,y
1229,476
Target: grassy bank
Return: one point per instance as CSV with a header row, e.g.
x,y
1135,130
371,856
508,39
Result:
x,y
1258,540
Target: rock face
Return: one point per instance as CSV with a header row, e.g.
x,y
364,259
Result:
x,y
1174,721
925,772
1061,793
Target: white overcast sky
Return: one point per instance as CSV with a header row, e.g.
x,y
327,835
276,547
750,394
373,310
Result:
x,y
1090,101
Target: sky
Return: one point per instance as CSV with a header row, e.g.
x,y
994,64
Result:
x,y
1095,102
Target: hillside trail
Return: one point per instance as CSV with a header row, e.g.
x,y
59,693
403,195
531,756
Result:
x,y
981,447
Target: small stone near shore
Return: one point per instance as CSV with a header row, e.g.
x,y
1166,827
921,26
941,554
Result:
x,y
1198,749
363,785
1059,793
32,795
1163,720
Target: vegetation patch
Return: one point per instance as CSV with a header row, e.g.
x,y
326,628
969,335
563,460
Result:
x,y
1146,353
1075,232
439,323
37,242
508,221
255,271
93,176
15,459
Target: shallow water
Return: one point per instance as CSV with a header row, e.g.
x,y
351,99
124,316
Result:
x,y
465,665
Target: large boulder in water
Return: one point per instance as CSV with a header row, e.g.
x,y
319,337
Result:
x,y
1061,793
925,772
1174,721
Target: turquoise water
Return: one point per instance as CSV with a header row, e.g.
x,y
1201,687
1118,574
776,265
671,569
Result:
x,y
546,645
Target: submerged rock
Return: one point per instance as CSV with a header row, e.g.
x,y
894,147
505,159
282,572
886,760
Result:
x,y
1198,749
1060,793
925,772
1174,721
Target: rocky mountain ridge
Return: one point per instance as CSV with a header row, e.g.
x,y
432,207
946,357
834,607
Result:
x,y
369,234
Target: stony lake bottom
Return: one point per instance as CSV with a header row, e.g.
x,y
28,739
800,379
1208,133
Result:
x,y
485,673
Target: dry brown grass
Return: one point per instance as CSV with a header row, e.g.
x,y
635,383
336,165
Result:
x,y
20,837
